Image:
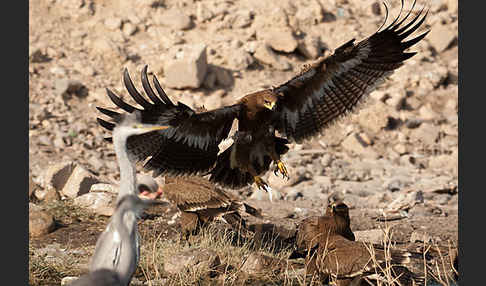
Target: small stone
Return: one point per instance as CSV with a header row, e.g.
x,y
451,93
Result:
x,y
281,40
129,29
310,47
203,13
203,259
57,70
56,175
264,54
99,203
239,60
427,113
64,86
441,36
79,182
40,222
192,63
113,23
258,263
400,148
175,19
102,187
376,8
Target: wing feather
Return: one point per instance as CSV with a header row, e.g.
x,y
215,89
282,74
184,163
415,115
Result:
x,y
334,86
191,133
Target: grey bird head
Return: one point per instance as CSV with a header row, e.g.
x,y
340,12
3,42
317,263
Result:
x,y
118,247
131,124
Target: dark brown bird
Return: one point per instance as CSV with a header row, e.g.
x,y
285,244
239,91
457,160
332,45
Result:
x,y
312,229
201,202
347,262
299,109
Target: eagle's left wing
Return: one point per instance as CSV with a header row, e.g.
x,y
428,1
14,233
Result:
x,y
333,86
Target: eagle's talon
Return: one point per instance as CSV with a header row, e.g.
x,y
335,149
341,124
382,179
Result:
x,y
261,184
282,170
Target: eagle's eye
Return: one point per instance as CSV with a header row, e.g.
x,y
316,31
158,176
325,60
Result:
x,y
267,102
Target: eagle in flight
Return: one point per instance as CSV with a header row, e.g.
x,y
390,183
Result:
x,y
298,110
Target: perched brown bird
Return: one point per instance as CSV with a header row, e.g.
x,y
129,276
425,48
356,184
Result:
x,y
201,202
347,262
312,229
298,109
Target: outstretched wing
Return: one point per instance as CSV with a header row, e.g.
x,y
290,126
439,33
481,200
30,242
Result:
x,y
197,134
333,86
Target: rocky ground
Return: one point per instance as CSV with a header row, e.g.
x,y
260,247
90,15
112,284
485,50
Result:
x,y
395,158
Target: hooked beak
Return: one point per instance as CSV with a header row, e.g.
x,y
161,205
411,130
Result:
x,y
270,105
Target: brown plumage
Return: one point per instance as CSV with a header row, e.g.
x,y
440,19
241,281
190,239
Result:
x,y
344,261
201,202
312,229
299,109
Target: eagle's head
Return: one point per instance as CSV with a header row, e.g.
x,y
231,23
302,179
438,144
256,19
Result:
x,y
267,99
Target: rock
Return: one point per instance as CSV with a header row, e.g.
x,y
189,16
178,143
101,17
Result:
x,y
57,175
426,133
240,19
57,70
279,39
175,19
52,195
264,54
441,36
129,29
239,59
203,13
310,47
427,113
375,117
36,55
40,222
113,23
418,236
355,146
192,63
371,236
204,259
400,148
99,203
65,86
258,263
309,15
79,182
102,187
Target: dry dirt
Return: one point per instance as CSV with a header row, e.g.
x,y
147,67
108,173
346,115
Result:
x,y
410,122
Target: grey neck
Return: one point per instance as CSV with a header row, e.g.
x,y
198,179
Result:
x,y
128,181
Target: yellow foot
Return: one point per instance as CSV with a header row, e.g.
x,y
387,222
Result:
x,y
261,184
282,169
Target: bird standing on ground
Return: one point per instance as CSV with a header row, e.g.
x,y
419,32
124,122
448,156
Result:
x,y
117,250
201,202
299,109
348,262
310,231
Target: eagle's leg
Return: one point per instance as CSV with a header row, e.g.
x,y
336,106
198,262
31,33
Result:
x,y
261,184
280,167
